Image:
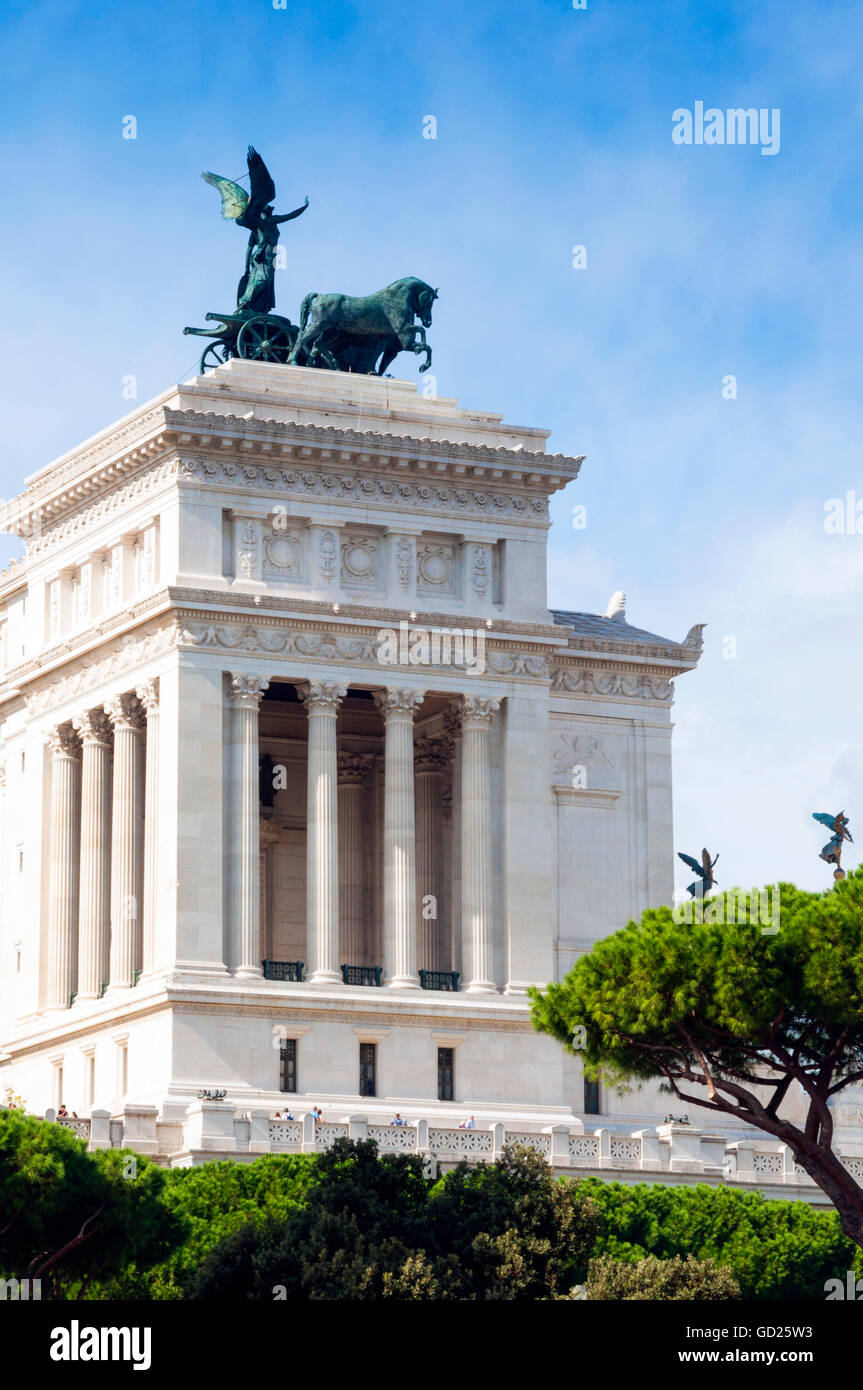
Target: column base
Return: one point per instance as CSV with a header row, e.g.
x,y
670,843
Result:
x,y
404,982
480,987
324,977
248,972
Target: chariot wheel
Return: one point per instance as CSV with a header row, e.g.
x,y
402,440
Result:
x,y
214,355
263,340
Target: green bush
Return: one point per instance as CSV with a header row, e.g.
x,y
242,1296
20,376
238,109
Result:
x,y
374,1227
775,1249
215,1201
71,1218
679,1279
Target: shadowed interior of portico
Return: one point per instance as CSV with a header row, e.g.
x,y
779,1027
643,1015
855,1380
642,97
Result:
x,y
284,853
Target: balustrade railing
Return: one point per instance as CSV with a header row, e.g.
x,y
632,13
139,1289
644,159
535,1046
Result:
x,y
362,974
291,970
439,979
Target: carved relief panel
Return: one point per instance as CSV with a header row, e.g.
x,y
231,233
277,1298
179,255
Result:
x,y
437,566
360,560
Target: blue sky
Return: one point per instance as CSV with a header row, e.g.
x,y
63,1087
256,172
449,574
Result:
x,y
553,129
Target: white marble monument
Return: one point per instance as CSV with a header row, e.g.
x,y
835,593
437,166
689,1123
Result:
x,y
304,785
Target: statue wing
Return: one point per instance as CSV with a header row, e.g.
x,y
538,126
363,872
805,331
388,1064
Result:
x,y
692,863
260,180
824,818
235,199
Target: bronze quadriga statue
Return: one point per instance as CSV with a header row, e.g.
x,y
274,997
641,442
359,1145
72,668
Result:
x,y
340,332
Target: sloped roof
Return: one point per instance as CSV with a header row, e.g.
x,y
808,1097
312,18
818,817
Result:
x,y
598,627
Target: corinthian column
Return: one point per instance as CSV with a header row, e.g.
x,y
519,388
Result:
x,y
322,701
127,826
398,707
63,874
432,953
244,853
94,912
477,902
148,694
352,768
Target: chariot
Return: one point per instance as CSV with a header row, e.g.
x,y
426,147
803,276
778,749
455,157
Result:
x,y
245,333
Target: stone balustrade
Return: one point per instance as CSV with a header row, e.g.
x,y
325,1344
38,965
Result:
x,y
217,1129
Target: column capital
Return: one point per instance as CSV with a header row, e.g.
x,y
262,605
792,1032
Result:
x,y
430,755
478,710
93,726
125,711
352,767
246,691
64,742
322,696
398,702
148,693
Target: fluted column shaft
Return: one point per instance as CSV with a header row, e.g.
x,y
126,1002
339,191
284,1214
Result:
x,y
245,843
63,875
398,707
432,953
94,910
127,836
477,887
322,701
148,694
352,769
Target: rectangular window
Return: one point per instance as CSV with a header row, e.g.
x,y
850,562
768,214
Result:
x,y
591,1098
368,1068
90,1058
288,1064
446,1073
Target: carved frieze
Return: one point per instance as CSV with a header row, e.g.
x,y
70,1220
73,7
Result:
x,y
570,680
126,655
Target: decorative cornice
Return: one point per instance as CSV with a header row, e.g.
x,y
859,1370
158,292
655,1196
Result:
x,y
528,463
61,488
368,488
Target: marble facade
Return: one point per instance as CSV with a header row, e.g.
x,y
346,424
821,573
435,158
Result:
x,y
294,751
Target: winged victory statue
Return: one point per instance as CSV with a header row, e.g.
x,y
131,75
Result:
x,y
340,332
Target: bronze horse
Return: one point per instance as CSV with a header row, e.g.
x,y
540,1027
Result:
x,y
348,333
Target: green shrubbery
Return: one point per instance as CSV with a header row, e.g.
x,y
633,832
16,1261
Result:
x,y
350,1224
679,1278
774,1249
